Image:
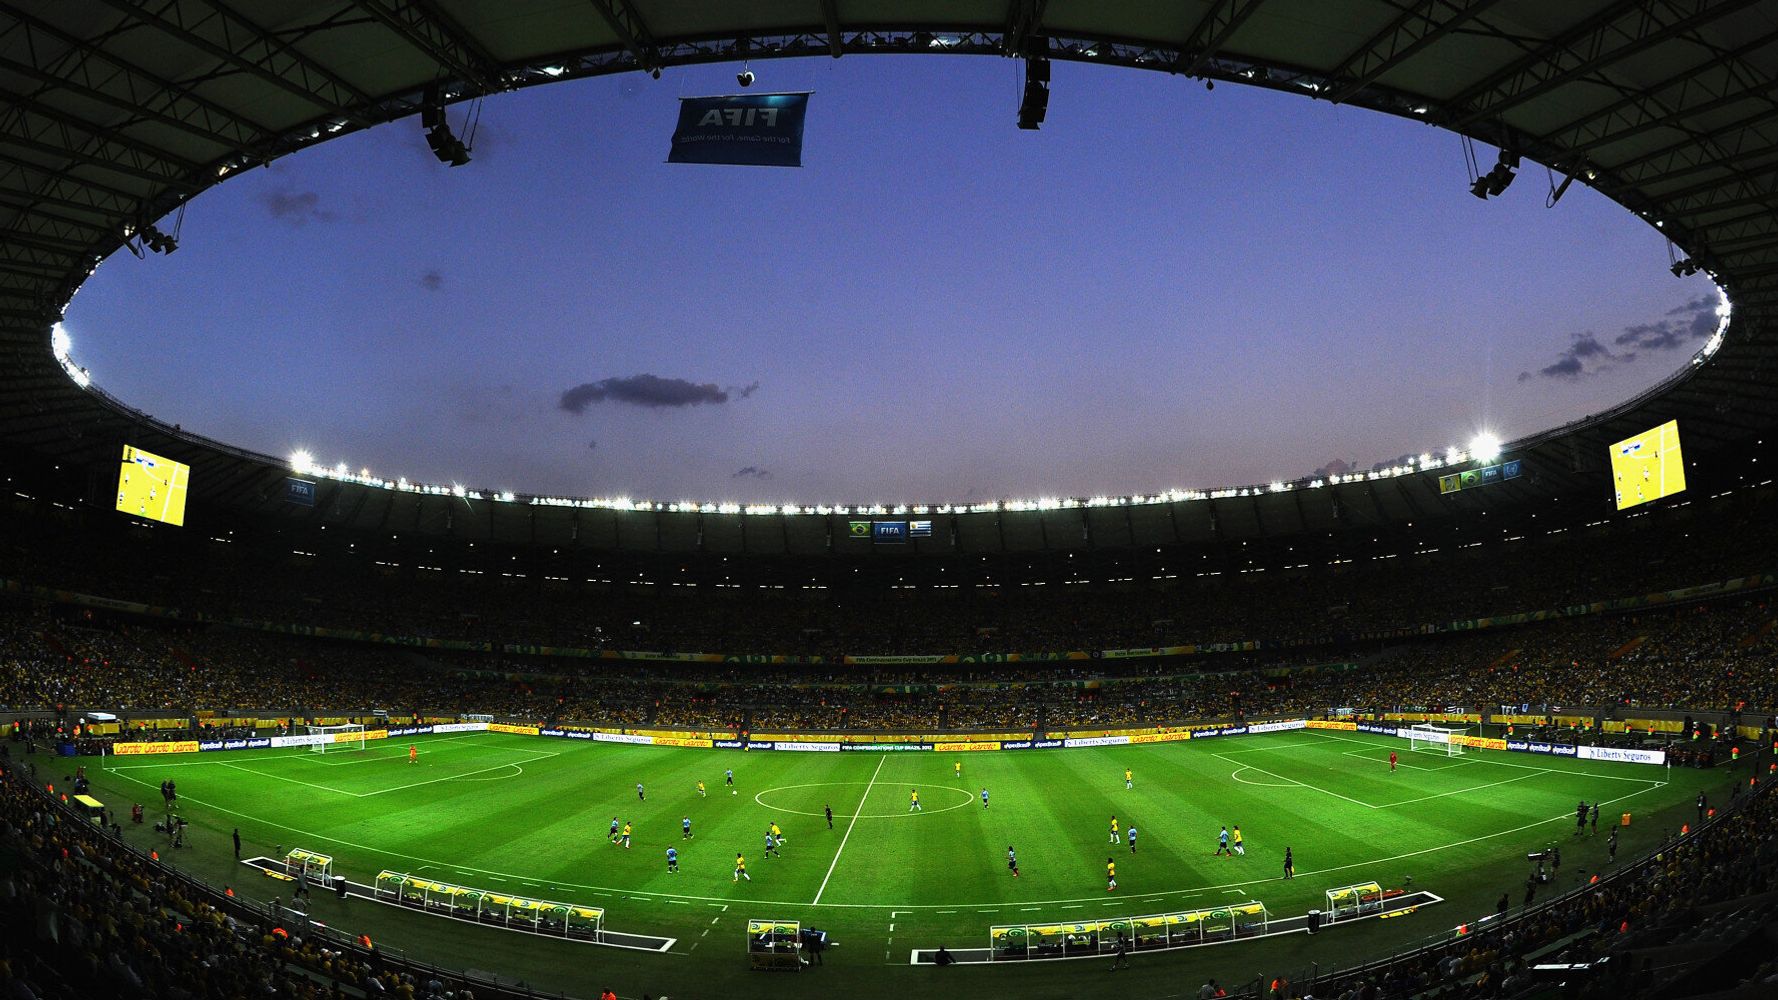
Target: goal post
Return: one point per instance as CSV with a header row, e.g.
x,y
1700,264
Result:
x,y
1437,739
336,738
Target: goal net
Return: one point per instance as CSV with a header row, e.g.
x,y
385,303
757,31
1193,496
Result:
x,y
1437,739
333,739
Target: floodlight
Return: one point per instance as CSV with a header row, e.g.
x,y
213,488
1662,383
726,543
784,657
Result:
x,y
1485,447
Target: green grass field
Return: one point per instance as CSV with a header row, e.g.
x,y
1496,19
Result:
x,y
530,816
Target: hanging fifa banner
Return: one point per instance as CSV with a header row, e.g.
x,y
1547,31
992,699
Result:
x,y
760,130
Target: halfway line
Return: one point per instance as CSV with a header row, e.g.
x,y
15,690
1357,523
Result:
x,y
849,826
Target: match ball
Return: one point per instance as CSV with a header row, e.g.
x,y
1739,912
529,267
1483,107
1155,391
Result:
x,y
733,792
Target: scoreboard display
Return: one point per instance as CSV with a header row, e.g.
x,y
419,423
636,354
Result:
x,y
1648,466
151,486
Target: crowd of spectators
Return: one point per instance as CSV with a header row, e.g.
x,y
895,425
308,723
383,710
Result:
x,y
82,916
1685,890
1711,656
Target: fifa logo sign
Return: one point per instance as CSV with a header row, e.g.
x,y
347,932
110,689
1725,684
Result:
x,y
737,117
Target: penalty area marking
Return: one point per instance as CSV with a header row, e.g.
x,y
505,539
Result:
x,y
967,799
1264,784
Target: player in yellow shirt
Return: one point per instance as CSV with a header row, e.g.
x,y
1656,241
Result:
x,y
1114,837
957,765
1240,848
914,801
1129,779
741,869
700,789
626,836
777,834
1110,874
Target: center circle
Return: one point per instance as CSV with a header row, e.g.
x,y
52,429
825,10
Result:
x,y
759,798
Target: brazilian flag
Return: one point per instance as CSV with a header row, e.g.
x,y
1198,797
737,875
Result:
x,y
859,529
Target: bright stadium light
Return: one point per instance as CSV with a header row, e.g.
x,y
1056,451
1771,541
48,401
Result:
x,y
1485,447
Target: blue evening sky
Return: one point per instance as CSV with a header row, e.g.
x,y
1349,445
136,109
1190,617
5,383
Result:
x,y
1165,287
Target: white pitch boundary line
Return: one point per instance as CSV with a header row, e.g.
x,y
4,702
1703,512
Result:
x,y
848,835
1459,791
1504,763
900,907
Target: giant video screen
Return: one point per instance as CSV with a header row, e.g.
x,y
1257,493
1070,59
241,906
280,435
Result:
x,y
1648,466
151,486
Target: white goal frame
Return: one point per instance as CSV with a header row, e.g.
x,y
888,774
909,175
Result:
x,y
336,745
1424,736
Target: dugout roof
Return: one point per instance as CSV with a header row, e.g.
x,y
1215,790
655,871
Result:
x,y
114,112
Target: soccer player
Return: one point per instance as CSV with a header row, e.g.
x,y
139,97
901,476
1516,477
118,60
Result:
x,y
914,800
700,789
777,832
771,845
1110,874
1114,837
685,828
984,798
740,869
1012,859
1222,844
1289,864
1129,779
1580,819
958,767
639,796
728,778
1132,838
614,826
1392,760
829,810
626,835
1593,819
1240,848
1611,847
413,754
672,861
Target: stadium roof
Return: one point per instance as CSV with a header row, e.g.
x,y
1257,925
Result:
x,y
116,112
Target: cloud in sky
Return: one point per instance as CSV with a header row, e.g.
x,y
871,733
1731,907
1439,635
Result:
x,y
1586,356
645,390
296,208
1694,321
752,472
432,280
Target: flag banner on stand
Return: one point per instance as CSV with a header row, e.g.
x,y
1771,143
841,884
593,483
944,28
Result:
x,y
760,130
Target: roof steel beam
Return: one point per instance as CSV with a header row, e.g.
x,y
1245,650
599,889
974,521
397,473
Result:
x,y
1722,79
632,31
57,133
66,63
429,31
220,32
1212,32
1403,38
1619,31
62,189
1701,149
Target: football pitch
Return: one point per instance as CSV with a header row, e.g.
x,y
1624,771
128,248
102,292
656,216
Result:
x,y
531,816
